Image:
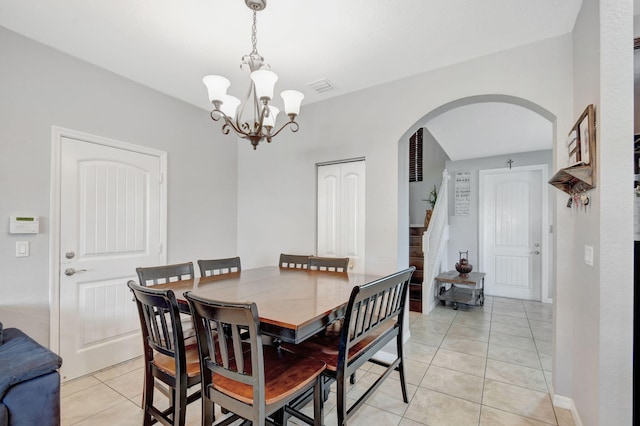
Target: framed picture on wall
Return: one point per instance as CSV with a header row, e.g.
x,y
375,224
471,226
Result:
x,y
573,146
584,139
585,128
462,195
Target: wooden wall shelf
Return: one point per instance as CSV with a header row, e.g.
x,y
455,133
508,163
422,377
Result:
x,y
573,179
580,177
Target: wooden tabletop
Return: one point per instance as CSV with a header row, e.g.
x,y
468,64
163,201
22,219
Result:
x,y
293,304
454,277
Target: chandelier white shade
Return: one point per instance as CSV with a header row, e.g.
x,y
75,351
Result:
x,y
292,100
270,120
229,105
254,118
265,82
217,87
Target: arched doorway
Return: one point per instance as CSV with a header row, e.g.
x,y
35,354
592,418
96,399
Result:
x,y
515,116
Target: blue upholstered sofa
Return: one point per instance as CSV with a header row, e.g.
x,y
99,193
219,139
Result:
x,y
29,381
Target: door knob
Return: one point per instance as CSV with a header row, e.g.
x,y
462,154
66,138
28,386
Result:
x,y
534,252
70,271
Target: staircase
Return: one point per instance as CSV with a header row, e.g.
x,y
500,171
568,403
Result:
x,y
434,244
416,258
426,250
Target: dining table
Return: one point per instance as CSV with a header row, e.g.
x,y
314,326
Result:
x,y
293,304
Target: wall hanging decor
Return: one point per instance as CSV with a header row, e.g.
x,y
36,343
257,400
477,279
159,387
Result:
x,y
580,175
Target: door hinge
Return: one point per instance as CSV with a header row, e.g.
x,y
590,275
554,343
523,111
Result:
x,y
161,178
160,248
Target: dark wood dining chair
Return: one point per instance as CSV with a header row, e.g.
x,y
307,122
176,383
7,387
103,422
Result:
x,y
374,317
165,273
294,261
334,264
219,266
253,385
166,357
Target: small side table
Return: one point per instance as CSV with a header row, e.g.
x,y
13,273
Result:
x,y
468,290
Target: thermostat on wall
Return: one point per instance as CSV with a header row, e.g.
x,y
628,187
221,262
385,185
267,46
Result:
x,y
24,224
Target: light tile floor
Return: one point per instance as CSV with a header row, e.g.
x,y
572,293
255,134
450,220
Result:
x,y
486,365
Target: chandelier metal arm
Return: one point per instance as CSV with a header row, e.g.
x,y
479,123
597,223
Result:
x,y
295,126
216,115
243,130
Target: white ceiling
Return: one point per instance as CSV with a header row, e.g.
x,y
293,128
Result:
x,y
170,45
490,128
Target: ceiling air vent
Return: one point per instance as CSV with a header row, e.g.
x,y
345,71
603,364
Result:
x,y
321,86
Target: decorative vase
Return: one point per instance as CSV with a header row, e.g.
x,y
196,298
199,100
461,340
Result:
x,y
463,266
427,218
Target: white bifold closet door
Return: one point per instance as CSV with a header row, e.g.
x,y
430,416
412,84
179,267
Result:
x,y
341,213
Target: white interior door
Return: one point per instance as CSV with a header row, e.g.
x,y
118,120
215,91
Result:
x,y
111,221
511,223
341,212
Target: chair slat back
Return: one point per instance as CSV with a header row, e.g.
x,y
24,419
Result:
x,y
165,273
294,261
221,328
219,266
373,306
335,264
159,320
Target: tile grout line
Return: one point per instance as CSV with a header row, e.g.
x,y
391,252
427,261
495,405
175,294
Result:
x,y
486,361
555,416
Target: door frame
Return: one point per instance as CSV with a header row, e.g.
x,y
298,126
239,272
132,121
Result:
x,y
544,221
57,133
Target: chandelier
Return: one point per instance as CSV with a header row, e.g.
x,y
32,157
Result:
x,y
254,118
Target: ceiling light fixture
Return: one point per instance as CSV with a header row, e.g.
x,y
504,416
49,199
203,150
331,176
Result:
x,y
254,118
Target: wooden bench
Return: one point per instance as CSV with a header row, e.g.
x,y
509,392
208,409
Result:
x,y
374,317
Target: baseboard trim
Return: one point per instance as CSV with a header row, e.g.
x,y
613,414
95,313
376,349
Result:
x,y
562,402
566,403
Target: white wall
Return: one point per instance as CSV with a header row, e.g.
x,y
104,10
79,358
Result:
x,y
464,230
370,123
636,74
600,298
433,163
42,87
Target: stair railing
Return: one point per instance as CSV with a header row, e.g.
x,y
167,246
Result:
x,y
434,244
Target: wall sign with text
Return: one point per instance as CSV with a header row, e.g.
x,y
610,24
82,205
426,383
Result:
x,y
462,194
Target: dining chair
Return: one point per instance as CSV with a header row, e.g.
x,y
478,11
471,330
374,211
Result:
x,y
165,273
166,357
294,261
219,266
373,318
335,264
256,384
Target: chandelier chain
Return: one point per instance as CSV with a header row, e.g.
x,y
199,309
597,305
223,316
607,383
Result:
x,y
254,37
